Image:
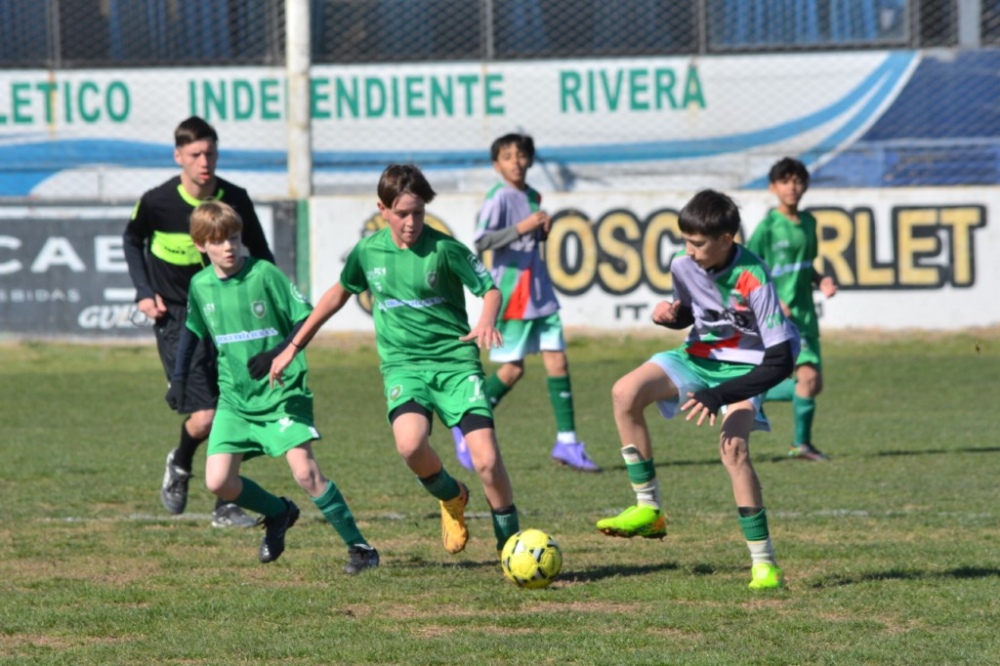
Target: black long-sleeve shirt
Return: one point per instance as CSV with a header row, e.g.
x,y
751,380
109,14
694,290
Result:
x,y
158,249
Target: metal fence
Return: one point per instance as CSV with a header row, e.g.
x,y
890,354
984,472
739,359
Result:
x,y
139,33
634,94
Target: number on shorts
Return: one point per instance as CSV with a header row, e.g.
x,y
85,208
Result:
x,y
477,382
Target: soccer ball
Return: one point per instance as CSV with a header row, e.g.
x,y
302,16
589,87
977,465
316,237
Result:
x,y
531,559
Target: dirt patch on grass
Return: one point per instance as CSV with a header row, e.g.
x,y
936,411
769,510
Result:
x,y
20,642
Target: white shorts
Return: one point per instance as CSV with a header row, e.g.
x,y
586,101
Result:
x,y
522,337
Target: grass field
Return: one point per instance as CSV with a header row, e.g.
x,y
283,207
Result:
x,y
891,551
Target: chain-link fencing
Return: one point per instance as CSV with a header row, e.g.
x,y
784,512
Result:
x,y
631,94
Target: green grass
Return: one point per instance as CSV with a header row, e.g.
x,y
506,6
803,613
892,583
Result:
x,y
891,551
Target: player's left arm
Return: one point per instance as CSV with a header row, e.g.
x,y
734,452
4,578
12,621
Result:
x,y
473,274
778,363
825,283
485,331
329,304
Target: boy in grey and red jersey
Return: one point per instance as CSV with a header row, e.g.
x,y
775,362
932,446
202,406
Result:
x,y
739,346
513,226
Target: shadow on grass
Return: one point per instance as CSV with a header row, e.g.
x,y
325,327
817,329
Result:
x,y
837,580
569,576
928,452
417,562
620,467
887,454
600,573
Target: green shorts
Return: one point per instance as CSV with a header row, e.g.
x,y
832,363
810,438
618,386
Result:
x,y
810,353
691,374
233,433
451,391
522,337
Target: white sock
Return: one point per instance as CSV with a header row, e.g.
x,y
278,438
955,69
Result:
x,y
761,551
568,437
646,494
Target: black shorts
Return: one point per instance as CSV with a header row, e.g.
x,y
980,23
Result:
x,y
202,390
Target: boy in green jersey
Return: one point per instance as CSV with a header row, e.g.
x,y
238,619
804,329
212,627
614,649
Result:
x,y
250,310
786,240
429,355
161,262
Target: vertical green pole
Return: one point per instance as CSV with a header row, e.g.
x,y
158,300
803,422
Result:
x,y
303,275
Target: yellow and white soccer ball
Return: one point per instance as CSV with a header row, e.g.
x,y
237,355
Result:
x,y
531,559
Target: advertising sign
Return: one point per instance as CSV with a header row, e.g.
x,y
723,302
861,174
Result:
x,y
614,123
903,258
63,271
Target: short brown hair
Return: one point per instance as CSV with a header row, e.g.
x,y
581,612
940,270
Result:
x,y
523,142
194,129
786,168
400,179
710,213
214,221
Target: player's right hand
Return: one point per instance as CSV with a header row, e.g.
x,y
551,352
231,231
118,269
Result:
x,y
278,365
175,394
538,221
486,336
154,308
665,312
260,364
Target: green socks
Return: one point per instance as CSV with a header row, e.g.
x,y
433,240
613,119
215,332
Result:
x,y
560,394
562,403
256,499
441,485
642,476
331,503
333,507
783,392
804,410
495,389
505,525
754,527
756,533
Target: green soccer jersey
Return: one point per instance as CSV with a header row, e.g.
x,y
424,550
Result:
x,y
417,297
789,249
243,315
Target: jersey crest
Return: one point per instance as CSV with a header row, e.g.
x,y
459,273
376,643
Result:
x,y
259,309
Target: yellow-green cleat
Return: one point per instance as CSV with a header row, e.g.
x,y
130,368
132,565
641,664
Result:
x,y
640,520
766,576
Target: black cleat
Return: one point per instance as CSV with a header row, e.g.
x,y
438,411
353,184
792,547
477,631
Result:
x,y
273,543
230,515
174,488
361,558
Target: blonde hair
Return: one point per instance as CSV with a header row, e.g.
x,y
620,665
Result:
x,y
214,221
